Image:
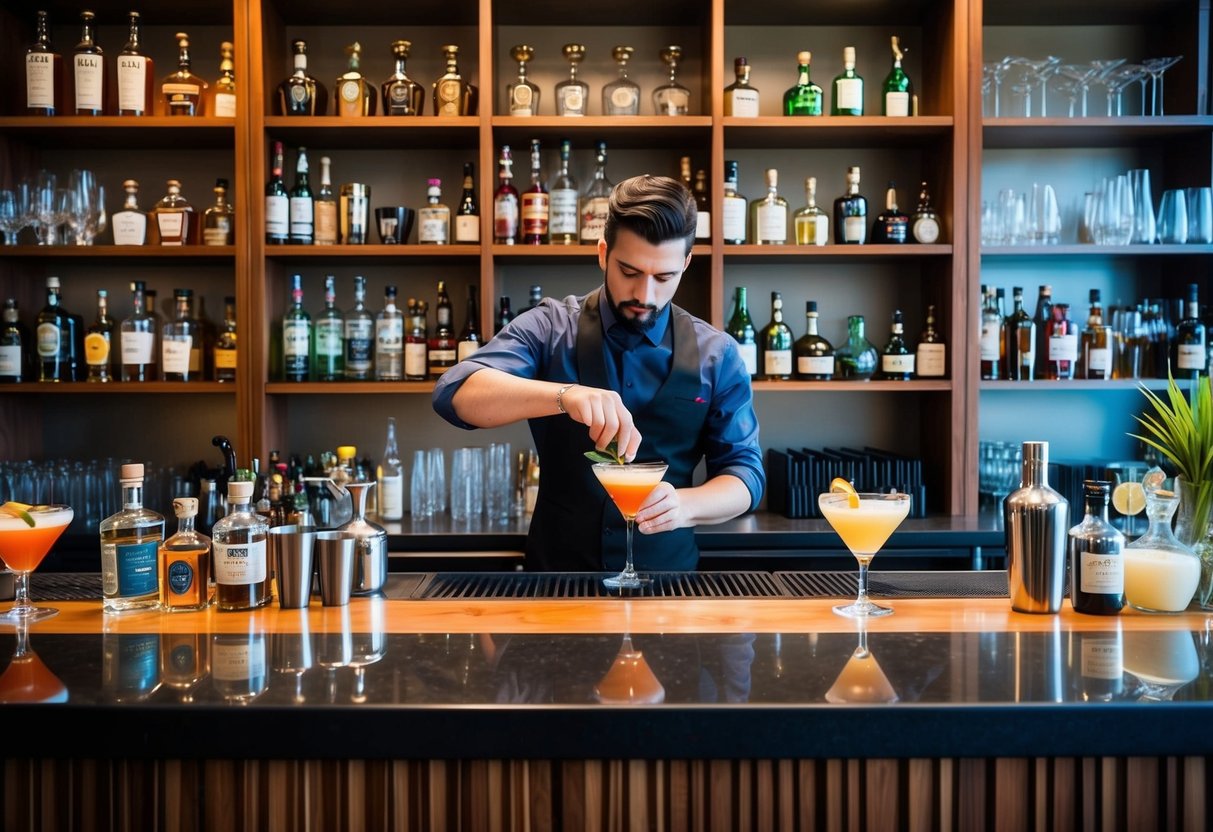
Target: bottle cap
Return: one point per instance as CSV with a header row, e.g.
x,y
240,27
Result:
x,y
239,491
347,452
740,62
848,55
131,472
804,57
1096,488
52,282
810,306
185,506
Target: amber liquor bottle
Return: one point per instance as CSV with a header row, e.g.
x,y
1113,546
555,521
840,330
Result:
x,y
88,71
240,553
136,80
355,96
222,95
402,96
181,92
175,222
300,94
453,96
185,563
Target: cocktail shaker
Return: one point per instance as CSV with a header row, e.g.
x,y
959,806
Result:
x,y
370,546
1036,520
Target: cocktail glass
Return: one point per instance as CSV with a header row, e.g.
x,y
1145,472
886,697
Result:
x,y
864,522
22,548
861,679
628,485
630,680
1156,67
27,678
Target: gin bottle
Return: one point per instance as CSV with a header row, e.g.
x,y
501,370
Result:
x,y
572,95
391,478
522,95
296,336
769,215
181,341
137,340
241,556
130,545
621,97
330,353
1097,563
359,332
563,224
389,340
897,87
848,88
805,98
185,563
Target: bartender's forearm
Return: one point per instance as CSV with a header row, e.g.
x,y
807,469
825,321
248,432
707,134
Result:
x,y
489,398
719,499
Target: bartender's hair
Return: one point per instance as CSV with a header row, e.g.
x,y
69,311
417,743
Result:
x,y
656,208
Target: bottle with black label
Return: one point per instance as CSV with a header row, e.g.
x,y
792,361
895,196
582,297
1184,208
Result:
x,y
1097,564
890,225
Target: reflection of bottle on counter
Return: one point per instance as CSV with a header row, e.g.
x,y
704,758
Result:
x,y
1097,665
239,668
185,662
130,669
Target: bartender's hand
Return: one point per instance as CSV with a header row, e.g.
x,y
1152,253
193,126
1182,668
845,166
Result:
x,y
662,511
602,411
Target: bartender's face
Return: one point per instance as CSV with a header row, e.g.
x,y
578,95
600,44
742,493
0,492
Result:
x,y
641,278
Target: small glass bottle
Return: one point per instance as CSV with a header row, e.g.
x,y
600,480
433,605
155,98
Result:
x,y
857,359
181,341
1019,341
924,225
671,98
277,200
1063,344
1161,573
241,557
469,338
130,224
814,354
931,359
137,340
176,223
353,96
535,204
811,223
181,91
43,73
135,76
621,97
185,563
572,95
851,212
741,327
434,220
130,545
891,224
897,87
775,344
441,348
452,95
703,208
563,223
741,99
221,99
416,344
467,216
16,346
324,207
296,336
848,88
1095,344
389,340
596,201
733,209
359,334
769,215
224,359
219,221
896,360
390,476
505,202
300,94
803,99
1096,549
522,95
402,96
300,209
88,71
99,342
330,352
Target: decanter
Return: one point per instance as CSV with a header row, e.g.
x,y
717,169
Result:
x,y
621,97
572,95
857,359
1161,574
671,98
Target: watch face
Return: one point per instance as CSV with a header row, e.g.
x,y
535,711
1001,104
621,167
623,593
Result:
x,y
926,229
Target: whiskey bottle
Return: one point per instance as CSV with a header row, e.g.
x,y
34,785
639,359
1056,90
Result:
x,y
563,202
241,557
572,95
469,338
390,477
775,344
811,223
442,347
741,327
851,212
621,97
130,548
741,99
99,342
733,210
391,354
1019,337
1096,549
814,355
181,342
924,225
402,96
296,336
415,362
300,94
130,224
890,225
522,95
1063,344
596,201
454,96
536,206
354,96
330,352
174,220
277,201
136,75
359,332
89,79
137,339
181,92
185,563
51,331
1189,357
703,208
16,347
221,97
1095,348
1041,319
769,215
505,201
467,217
434,220
931,357
324,208
848,88
223,356
896,360
804,99
897,86
43,73
219,221
671,98
302,220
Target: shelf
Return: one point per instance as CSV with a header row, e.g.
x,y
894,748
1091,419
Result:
x,y
1076,385
681,13
795,254
119,252
835,131
83,388
375,132
942,385
582,254
122,132
114,13
1078,12
326,388
372,254
1077,251
826,13
1003,133
617,131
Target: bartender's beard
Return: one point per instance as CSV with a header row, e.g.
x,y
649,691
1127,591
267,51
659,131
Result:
x,y
626,319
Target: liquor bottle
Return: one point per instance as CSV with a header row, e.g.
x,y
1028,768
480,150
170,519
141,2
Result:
x,y
1095,346
296,336
596,201
851,212
536,206
301,226
1189,357
130,548
181,92
415,343
703,208
402,96
135,76
857,359
811,223
53,333
329,362
15,346
814,355
277,201
621,97
1041,318
452,95
181,345
572,95
896,360
185,563
353,95
741,99
324,208
390,476
1019,338
467,217
149,301
769,215
924,225
733,210
671,98
223,356
469,338
990,341
89,79
221,97
504,315
359,336
391,353
137,339
804,99
775,344
897,86
434,220
241,557
890,225
43,73
505,201
533,300
741,327
1063,344
442,347
219,221
99,342
1097,563
522,96
174,220
563,202
130,224
931,357
300,94
848,88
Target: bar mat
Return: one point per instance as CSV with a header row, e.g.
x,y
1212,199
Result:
x,y
65,586
482,585
401,586
987,584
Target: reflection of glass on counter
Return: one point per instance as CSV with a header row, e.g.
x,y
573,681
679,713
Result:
x,y
130,666
1163,660
861,679
292,653
630,680
27,678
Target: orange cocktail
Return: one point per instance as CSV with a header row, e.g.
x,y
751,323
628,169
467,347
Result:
x,y
28,679
629,484
27,533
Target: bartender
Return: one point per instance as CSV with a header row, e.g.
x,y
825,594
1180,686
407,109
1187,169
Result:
x,y
621,365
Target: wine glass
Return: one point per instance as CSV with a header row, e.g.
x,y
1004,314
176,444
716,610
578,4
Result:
x,y
12,217
26,535
861,679
1156,67
629,485
864,521
27,678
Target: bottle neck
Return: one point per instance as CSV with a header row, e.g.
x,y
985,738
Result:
x,y
1096,507
185,525
132,495
811,324
1035,473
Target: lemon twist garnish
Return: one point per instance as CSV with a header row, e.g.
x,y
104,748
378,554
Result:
x,y
840,486
21,510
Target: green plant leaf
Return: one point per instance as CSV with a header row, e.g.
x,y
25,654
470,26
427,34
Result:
x,y
1181,427
608,454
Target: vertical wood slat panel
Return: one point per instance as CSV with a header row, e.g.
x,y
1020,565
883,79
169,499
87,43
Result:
x,y
971,794
1066,790
1011,795
1141,793
1196,790
883,799
921,790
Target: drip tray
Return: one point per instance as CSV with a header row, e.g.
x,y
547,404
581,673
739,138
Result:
x,y
64,586
721,585
989,584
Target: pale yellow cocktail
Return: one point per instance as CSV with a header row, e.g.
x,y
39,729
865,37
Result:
x,y
864,522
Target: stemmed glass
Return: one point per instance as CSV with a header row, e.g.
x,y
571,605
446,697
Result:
x,y
1164,661
26,535
12,217
997,69
1042,70
629,485
1082,75
1115,83
42,206
864,521
85,206
1156,67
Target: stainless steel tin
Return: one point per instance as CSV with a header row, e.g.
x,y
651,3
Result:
x,y
1036,520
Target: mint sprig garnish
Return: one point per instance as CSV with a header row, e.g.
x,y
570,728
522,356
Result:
x,y
609,454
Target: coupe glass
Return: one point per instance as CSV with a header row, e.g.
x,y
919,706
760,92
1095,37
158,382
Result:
x,y
629,485
23,547
1082,75
1115,83
1156,67
998,69
864,522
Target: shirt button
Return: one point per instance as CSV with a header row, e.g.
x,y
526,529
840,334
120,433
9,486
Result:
x,y
629,384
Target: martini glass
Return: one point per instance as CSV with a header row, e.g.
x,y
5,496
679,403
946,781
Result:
x,y
864,522
861,679
1156,67
23,547
27,678
628,485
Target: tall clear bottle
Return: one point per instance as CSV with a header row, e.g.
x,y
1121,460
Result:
x,y
1096,554
595,203
769,215
137,340
390,476
741,327
130,546
130,223
359,336
136,76
242,574
329,362
467,216
1036,519
324,207
563,224
389,340
733,210
185,563
181,341
302,222
296,336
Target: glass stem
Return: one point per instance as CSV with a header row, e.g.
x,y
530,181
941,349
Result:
x,y
861,600
21,603
628,569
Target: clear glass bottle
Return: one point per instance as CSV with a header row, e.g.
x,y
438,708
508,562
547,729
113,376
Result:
x,y
896,360
441,347
733,210
181,91
390,478
565,192
769,215
851,212
300,94
137,340
241,557
805,98
703,208
1063,344
621,97
135,75
130,546
467,216
416,343
572,95
740,99
353,96
402,96
895,100
931,356
671,98
296,336
991,344
302,220
454,96
775,344
1161,574
15,346
185,563
857,359
741,327
90,80
43,73
389,340
891,224
505,201
359,336
99,342
219,221
176,223
1095,346
434,220
224,360
521,95
469,338
595,202
812,224
848,88
324,208
329,360
814,355
1096,555
221,98
181,341
130,224
536,205
924,225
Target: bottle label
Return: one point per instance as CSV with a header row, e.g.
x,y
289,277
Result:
x,y
505,217
391,497
467,228
10,361
415,363
744,103
925,230
1190,356
130,228
733,218
703,225
896,103
1103,658
465,348
931,360
749,357
217,234
180,577
848,94
772,223
897,364
240,564
136,569
225,105
448,97
89,71
350,92
520,100
137,347
328,338
989,340
572,100
225,359
674,102
823,230
296,337
277,216
593,218
815,365
389,336
1099,360
299,211
854,229
895,230
48,340
624,98
1063,347
240,662
40,80
359,345
175,354
777,362
432,226
324,215
1102,573
132,80
564,211
535,214
172,227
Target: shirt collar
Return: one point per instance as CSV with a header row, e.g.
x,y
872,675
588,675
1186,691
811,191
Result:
x,y
654,335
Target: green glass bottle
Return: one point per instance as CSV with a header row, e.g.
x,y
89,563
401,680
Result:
x,y
296,336
848,88
897,87
805,98
776,342
329,361
741,327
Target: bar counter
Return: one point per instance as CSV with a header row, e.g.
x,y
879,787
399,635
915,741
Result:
x,y
669,713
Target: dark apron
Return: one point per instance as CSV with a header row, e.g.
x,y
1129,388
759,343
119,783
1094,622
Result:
x,y
576,527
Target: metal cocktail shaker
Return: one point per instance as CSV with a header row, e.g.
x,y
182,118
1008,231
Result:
x,y
1036,520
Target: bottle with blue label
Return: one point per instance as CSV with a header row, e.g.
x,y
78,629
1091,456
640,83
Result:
x,y
242,575
130,546
185,563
